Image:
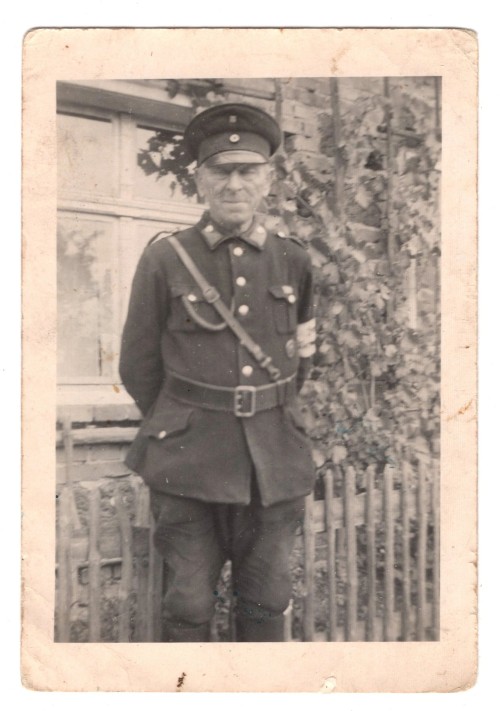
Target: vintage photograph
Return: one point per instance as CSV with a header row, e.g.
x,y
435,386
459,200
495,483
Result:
x,y
248,359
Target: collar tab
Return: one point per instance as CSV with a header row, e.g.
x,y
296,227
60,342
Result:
x,y
256,235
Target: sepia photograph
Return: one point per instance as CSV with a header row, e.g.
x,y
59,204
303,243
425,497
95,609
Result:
x,y
259,397
248,436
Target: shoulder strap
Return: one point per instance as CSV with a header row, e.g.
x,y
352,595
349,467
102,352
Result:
x,y
159,235
213,297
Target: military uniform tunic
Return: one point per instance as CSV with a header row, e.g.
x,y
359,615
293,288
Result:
x,y
188,450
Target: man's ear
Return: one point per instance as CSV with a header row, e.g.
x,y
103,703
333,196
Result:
x,y
268,180
198,179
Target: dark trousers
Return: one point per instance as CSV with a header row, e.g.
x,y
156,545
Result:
x,y
196,538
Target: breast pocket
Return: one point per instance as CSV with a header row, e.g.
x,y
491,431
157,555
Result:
x,y
284,307
189,311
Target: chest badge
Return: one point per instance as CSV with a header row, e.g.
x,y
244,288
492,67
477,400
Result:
x,y
290,348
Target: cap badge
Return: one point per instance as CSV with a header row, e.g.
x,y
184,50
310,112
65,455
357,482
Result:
x,y
233,118
234,138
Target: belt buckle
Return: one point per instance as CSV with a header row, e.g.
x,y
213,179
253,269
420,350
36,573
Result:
x,y
245,400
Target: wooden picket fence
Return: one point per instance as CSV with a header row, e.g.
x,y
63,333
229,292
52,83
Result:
x,y
110,569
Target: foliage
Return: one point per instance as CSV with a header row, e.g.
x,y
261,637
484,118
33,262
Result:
x,y
166,156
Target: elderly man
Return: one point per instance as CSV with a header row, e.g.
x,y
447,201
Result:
x,y
215,347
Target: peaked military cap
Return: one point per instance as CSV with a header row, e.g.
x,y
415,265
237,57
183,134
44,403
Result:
x,y
232,133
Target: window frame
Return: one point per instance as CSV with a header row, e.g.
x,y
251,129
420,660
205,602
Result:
x,y
125,211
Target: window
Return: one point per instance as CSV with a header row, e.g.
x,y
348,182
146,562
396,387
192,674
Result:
x,y
86,309
109,208
86,159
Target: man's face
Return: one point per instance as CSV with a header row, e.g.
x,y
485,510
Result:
x,y
233,191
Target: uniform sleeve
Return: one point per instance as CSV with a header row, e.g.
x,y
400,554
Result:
x,y
141,367
306,329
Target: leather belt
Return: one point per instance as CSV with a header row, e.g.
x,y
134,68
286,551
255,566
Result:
x,y
243,401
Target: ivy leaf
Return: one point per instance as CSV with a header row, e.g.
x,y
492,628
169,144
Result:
x,y
332,272
318,458
377,368
359,256
363,197
348,338
317,258
339,453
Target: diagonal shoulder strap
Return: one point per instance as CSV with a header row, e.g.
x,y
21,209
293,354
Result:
x,y
213,297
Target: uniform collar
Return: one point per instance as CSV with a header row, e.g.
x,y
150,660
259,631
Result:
x,y
256,235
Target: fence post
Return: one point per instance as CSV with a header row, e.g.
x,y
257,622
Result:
x,y
124,631
64,532
389,556
141,529
436,554
405,540
352,569
309,554
94,565
422,552
370,554
64,582
330,529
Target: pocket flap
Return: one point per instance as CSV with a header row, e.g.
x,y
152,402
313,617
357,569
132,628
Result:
x,y
165,422
283,291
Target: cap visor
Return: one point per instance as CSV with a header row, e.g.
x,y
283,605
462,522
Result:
x,y
235,157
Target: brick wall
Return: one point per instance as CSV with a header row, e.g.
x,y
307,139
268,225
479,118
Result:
x,y
93,462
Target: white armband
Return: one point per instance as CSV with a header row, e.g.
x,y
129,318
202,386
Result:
x,y
306,338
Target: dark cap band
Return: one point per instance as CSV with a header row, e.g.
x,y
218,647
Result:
x,y
232,127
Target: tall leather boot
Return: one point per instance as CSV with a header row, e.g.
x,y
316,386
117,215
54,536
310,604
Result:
x,y
271,629
180,632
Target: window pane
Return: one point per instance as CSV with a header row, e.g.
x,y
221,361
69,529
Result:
x,y
153,146
85,300
86,160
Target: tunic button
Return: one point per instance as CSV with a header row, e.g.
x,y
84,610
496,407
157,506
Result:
x,y
162,434
241,281
247,370
237,251
260,229
191,297
209,228
292,299
243,309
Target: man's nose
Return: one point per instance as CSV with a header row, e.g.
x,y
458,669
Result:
x,y
234,181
